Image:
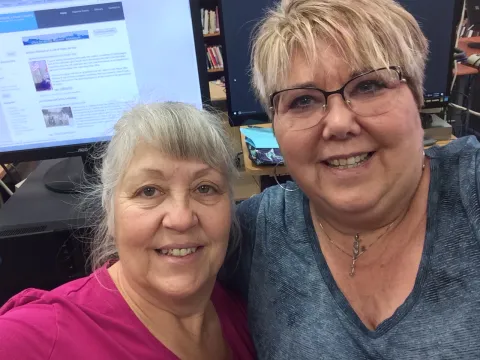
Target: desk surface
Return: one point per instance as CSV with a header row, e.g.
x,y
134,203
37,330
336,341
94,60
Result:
x,y
255,170
463,45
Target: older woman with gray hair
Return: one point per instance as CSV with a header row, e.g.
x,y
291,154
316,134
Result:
x,y
166,194
373,252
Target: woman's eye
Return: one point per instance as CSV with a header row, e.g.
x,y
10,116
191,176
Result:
x,y
148,192
302,102
369,87
206,190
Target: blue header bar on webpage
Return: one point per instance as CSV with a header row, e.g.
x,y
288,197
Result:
x,y
18,22
50,18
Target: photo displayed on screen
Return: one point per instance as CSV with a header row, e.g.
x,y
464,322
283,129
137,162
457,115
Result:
x,y
69,69
57,117
41,77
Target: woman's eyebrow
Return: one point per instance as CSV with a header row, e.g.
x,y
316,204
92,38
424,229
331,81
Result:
x,y
307,84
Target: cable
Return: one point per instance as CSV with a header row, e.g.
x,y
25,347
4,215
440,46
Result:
x,y
459,31
474,113
5,187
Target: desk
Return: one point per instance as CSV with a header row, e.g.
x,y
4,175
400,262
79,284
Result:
x,y
255,170
463,45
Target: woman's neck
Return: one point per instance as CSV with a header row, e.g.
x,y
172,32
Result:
x,y
191,316
374,222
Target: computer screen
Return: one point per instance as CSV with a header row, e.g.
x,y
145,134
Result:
x,y
473,13
69,69
436,17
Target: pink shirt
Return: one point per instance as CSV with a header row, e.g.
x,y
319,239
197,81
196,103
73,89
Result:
x,y
84,319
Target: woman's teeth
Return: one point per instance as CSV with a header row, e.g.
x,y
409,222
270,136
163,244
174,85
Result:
x,y
348,163
179,252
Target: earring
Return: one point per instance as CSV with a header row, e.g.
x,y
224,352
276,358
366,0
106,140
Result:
x,y
423,166
276,179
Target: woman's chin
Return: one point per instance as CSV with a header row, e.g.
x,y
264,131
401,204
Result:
x,y
181,286
354,203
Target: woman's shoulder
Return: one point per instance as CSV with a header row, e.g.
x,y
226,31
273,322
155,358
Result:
x,y
274,198
29,324
455,181
40,304
460,160
39,318
455,168
465,146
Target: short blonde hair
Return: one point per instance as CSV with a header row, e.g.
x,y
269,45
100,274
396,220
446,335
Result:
x,y
367,34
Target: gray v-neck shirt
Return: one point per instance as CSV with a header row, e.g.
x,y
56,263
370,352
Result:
x,y
296,310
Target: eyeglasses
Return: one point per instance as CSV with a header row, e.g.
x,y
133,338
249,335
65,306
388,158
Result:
x,y
369,94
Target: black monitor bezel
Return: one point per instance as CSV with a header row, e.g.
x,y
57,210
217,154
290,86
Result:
x,y
457,10
64,151
239,120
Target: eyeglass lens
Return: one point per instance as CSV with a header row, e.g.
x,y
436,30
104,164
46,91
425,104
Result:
x,y
371,94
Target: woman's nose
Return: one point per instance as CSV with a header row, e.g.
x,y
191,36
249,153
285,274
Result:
x,y
179,215
340,121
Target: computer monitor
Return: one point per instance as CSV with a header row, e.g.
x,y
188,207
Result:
x,y
70,68
438,19
473,13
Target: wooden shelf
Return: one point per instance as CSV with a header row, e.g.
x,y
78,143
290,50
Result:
x,y
211,35
215,70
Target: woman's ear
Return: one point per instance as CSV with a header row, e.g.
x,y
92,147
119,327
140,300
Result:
x,y
110,225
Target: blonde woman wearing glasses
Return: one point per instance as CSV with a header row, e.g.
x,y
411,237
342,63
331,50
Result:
x,y
373,252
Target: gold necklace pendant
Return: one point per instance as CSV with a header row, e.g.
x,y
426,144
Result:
x,y
356,253
357,249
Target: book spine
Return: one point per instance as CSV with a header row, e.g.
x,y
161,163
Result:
x,y
220,57
212,55
209,57
212,22
217,19
206,23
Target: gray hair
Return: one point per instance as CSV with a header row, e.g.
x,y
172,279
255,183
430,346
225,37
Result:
x,y
177,130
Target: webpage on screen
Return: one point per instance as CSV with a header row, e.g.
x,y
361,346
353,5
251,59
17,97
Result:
x,y
69,69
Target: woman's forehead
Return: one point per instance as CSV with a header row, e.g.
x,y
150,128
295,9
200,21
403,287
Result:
x,y
148,159
327,69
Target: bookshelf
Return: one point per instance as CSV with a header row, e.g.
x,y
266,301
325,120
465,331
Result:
x,y
215,70
211,35
213,41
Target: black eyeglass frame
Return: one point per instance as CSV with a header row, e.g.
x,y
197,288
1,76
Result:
x,y
340,91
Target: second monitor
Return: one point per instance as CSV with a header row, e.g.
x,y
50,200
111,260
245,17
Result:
x,y
437,18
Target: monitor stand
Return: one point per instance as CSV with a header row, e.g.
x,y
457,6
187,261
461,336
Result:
x,y
68,175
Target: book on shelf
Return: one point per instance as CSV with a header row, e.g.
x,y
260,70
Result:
x,y
210,22
215,58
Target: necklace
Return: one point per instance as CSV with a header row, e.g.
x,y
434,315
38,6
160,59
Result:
x,y
357,250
